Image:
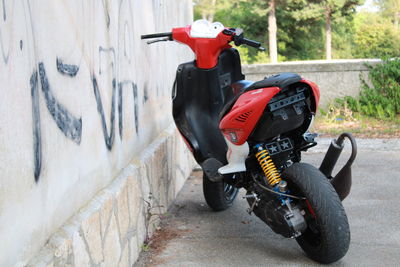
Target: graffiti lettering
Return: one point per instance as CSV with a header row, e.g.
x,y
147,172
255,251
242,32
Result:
x,y
103,50
37,145
115,75
70,126
4,51
66,122
108,137
70,70
135,105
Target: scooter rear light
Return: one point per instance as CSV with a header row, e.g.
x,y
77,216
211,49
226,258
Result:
x,y
232,135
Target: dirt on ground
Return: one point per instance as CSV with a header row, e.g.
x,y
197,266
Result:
x,y
157,243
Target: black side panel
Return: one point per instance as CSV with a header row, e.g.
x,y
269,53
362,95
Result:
x,y
198,97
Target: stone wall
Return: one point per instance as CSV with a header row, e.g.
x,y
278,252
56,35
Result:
x,y
111,229
85,105
335,78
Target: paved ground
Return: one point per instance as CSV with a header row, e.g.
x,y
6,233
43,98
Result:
x,y
193,235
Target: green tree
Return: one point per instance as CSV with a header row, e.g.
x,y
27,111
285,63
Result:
x,y
375,37
237,13
297,39
300,26
380,97
329,11
391,9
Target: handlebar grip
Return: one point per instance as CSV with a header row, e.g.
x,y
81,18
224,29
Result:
x,y
251,43
157,35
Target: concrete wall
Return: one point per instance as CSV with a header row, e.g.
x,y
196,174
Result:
x,y
335,78
85,104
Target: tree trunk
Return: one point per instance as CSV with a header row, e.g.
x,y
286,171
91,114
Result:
x,y
272,29
328,33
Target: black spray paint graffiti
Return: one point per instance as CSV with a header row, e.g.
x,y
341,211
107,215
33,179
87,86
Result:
x,y
66,122
106,12
110,50
67,69
145,93
108,137
37,146
121,86
5,54
70,126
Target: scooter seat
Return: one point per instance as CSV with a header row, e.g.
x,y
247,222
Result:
x,y
280,80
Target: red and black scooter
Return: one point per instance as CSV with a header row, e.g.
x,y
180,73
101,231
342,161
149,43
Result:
x,y
251,134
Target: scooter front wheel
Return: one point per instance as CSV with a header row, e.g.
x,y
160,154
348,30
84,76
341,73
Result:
x,y
327,236
219,195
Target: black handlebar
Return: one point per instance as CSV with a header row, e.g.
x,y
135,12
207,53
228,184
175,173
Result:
x,y
239,39
252,43
158,35
237,34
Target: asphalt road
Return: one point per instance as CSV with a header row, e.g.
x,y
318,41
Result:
x,y
193,235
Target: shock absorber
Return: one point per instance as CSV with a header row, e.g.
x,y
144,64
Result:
x,y
268,166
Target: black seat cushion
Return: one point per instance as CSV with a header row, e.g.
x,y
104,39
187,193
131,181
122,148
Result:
x,y
279,80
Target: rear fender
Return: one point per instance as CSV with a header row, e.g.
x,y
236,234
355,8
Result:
x,y
316,92
240,121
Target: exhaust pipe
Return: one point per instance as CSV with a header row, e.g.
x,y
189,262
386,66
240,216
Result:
x,y
342,180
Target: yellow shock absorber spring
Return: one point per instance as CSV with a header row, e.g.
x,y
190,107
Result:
x,y
268,167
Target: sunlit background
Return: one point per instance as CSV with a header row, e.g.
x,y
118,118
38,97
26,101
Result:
x,y
310,30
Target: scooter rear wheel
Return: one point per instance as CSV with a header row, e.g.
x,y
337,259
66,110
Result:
x,y
327,236
218,195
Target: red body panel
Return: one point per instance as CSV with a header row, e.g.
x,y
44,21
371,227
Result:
x,y
315,91
207,50
238,124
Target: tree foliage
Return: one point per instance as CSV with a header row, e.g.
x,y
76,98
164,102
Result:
x,y
391,9
375,37
381,97
302,27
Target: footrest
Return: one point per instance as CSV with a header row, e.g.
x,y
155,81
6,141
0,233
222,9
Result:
x,y
210,167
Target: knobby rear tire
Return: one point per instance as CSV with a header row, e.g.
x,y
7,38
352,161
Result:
x,y
218,195
329,240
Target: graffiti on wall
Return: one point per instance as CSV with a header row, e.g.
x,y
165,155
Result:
x,y
70,126
43,87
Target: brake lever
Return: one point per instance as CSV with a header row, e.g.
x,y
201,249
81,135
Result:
x,y
158,40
